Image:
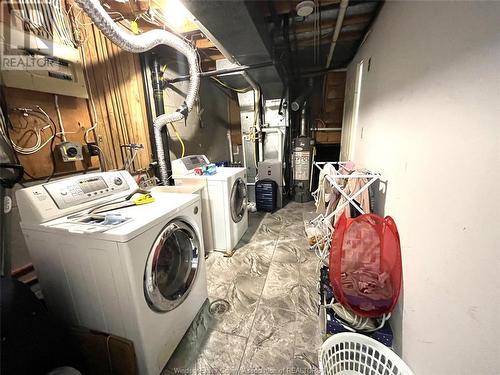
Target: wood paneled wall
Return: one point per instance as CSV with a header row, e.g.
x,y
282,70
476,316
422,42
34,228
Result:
x,y
76,121
116,85
117,88
332,108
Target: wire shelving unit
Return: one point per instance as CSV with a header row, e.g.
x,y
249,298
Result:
x,y
324,224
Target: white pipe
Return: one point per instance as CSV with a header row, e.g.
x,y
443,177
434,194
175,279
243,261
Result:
x,y
326,129
230,142
311,172
243,152
93,115
142,43
338,27
59,118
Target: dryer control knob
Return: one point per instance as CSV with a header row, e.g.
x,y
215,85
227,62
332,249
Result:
x,y
118,181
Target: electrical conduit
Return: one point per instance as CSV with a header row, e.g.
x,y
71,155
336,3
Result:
x,y
142,43
338,26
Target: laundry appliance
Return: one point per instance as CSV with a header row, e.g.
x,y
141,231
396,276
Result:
x,y
197,187
137,272
227,194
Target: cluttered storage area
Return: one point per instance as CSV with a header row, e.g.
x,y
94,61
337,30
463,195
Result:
x,y
249,187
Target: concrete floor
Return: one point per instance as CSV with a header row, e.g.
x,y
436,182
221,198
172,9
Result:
x,y
261,316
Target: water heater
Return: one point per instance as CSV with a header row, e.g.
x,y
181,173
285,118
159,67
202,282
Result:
x,y
303,147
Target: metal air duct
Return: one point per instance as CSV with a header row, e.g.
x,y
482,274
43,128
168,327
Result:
x,y
142,43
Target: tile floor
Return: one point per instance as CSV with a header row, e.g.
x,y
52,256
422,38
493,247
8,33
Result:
x,y
261,316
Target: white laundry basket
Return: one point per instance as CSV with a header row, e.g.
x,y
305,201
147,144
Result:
x,y
353,354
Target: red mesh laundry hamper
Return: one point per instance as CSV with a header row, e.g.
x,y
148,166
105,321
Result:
x,y
365,264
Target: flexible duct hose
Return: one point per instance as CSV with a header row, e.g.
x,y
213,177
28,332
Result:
x,y
142,43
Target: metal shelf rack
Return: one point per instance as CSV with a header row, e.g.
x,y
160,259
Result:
x,y
324,223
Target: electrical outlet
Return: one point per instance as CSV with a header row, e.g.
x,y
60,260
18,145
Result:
x,y
93,149
70,151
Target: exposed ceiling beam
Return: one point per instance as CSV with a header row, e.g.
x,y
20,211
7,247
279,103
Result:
x,y
330,24
127,9
344,37
217,56
204,44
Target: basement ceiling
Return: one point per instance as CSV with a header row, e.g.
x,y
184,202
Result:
x,y
307,42
263,30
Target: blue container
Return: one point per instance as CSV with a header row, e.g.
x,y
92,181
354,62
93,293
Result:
x,y
333,325
265,195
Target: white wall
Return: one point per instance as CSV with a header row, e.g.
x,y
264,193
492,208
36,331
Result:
x,y
429,121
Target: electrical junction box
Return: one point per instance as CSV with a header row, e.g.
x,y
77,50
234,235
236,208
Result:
x,y
33,63
70,151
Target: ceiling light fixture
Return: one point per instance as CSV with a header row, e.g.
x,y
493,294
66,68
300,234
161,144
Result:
x,y
305,8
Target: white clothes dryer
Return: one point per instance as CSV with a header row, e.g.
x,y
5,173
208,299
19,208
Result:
x,y
227,193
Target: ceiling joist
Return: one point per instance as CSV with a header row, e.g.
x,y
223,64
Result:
x,y
331,23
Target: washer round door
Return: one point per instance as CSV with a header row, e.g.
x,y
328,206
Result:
x,y
172,266
238,200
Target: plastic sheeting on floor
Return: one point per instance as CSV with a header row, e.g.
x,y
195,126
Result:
x,y
261,316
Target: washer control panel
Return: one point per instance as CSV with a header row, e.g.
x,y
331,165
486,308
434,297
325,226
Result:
x,y
185,165
77,190
40,203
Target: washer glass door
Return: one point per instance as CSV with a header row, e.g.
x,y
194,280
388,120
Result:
x,y
172,266
238,200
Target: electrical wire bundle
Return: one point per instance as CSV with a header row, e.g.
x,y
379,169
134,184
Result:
x,y
37,112
3,127
38,131
45,19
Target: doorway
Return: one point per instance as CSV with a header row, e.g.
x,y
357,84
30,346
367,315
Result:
x,y
351,115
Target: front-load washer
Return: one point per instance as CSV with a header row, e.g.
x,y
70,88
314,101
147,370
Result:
x,y
227,193
197,187
136,272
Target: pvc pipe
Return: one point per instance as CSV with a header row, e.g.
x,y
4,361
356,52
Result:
x,y
59,118
336,33
303,121
142,43
230,142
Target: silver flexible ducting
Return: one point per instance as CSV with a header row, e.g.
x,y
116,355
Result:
x,y
142,43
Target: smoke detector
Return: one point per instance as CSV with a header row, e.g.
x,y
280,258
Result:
x,y
305,8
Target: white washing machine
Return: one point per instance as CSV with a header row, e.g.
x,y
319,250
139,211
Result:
x,y
140,275
227,193
198,187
